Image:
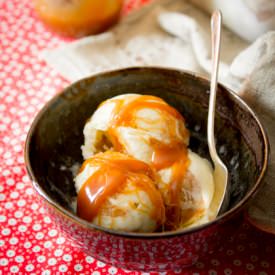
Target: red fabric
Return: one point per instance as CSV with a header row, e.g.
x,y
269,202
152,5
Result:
x,y
29,241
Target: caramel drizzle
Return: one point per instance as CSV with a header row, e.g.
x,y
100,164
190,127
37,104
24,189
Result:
x,y
110,179
124,115
176,157
164,155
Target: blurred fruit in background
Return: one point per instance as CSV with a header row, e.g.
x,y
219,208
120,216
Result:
x,y
76,18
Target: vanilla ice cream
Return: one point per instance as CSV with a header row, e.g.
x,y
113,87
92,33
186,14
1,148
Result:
x,y
130,123
118,192
148,129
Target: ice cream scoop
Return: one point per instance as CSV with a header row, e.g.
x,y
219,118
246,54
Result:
x,y
133,124
118,192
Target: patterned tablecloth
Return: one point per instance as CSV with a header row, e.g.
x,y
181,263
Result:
x,y
29,241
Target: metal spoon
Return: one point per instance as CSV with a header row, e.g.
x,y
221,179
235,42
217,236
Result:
x,y
220,170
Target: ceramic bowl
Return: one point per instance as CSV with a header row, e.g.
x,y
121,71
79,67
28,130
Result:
x,y
52,154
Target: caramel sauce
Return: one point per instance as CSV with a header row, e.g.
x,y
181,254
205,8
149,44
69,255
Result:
x,y
126,115
179,169
164,155
101,185
119,161
174,156
110,178
114,172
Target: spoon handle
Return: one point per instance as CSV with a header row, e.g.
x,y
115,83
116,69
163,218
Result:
x,y
215,40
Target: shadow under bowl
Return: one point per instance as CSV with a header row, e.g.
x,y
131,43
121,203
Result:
x,y
53,154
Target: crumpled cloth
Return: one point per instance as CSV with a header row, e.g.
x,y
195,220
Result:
x,y
256,67
140,40
247,18
173,33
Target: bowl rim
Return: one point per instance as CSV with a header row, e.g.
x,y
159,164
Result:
x,y
156,235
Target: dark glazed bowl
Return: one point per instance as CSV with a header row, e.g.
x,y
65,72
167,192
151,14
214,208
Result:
x,y
53,151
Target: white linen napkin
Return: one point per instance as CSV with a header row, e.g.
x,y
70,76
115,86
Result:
x,y
256,67
248,18
140,41
144,39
